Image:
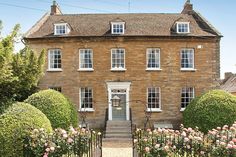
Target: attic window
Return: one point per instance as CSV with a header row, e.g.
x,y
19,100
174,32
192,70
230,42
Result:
x,y
61,29
183,27
118,27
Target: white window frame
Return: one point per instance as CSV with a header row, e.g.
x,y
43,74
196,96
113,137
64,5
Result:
x,y
80,101
49,60
182,23
183,108
190,68
117,68
117,23
80,60
67,29
159,59
154,109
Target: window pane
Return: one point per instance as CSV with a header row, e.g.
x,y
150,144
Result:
x,y
118,58
54,59
187,95
187,58
153,98
86,59
86,97
153,60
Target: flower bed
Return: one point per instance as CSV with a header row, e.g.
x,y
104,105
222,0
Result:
x,y
75,142
219,142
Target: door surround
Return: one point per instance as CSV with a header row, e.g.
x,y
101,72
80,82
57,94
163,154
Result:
x,y
118,85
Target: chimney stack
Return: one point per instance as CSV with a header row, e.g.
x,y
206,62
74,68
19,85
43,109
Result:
x,y
55,9
228,75
188,8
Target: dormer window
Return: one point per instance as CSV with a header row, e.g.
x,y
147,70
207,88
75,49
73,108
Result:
x,y
118,27
183,27
61,29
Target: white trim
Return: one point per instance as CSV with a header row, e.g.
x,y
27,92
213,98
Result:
x,y
118,23
86,110
188,69
153,69
118,69
54,69
118,85
182,109
159,55
85,69
177,27
67,29
154,109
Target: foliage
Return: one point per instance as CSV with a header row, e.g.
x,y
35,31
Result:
x,y
15,124
212,109
20,72
74,114
187,142
76,141
54,105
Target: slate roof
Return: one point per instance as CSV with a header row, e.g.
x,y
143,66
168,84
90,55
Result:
x,y
229,85
138,24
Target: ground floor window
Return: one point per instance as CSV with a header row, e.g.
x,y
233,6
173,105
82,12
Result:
x,y
153,94
187,94
86,99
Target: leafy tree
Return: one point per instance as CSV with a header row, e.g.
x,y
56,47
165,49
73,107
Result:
x,y
19,72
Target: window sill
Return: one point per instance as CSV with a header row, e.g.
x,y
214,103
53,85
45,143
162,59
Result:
x,y
153,69
188,69
88,69
182,109
54,70
86,110
154,110
118,69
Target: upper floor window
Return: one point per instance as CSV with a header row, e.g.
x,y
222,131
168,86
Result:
x,y
56,88
153,59
154,101
187,94
117,27
118,59
183,27
86,59
187,59
54,59
86,99
61,28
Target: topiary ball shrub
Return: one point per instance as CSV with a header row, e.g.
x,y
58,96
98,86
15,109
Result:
x,y
74,115
15,125
212,109
54,105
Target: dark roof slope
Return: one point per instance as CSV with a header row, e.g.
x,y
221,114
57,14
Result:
x,y
230,84
140,24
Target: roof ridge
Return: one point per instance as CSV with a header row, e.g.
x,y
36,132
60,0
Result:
x,y
118,14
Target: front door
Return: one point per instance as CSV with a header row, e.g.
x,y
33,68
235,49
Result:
x,y
119,113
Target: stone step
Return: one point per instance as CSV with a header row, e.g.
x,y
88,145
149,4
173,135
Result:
x,y
118,123
117,142
118,135
124,131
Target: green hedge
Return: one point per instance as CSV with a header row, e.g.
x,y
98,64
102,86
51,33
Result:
x,y
74,114
55,106
212,109
16,123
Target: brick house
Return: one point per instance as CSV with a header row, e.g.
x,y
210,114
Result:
x,y
155,63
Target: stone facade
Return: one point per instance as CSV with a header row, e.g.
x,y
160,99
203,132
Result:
x,y
170,78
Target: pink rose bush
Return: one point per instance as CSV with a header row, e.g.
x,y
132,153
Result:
x,y
75,141
186,142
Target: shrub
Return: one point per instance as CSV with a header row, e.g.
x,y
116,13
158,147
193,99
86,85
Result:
x,y
54,105
212,109
16,123
74,114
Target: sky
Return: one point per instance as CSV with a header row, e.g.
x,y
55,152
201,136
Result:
x,y
220,13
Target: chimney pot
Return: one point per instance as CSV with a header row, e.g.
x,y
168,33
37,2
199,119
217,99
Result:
x,y
55,9
188,8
